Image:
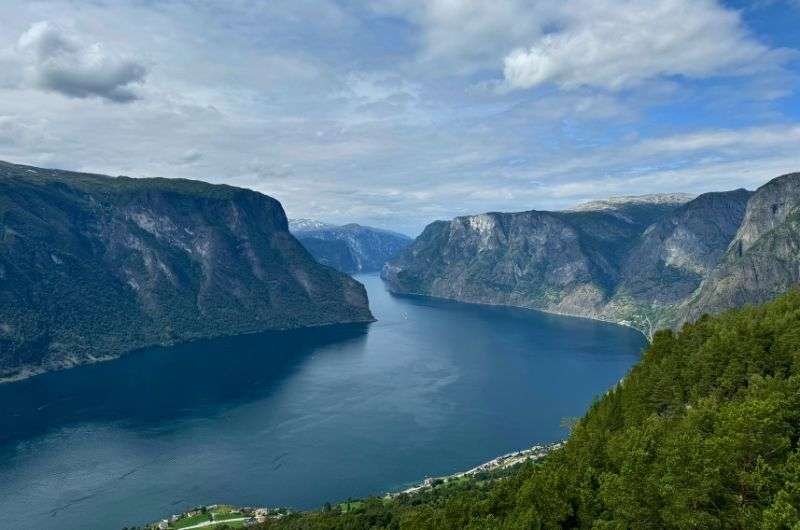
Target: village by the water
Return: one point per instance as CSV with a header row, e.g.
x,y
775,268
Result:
x,y
222,516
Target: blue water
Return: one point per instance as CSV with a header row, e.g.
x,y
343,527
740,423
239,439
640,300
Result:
x,y
297,419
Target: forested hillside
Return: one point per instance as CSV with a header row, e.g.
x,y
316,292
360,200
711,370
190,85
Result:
x,y
702,433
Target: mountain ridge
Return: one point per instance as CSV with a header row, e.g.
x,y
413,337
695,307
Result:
x,y
637,261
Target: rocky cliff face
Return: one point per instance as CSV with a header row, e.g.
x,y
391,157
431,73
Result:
x,y
673,256
763,260
770,206
92,267
648,262
349,248
566,262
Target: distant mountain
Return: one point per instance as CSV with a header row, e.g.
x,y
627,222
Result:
x,y
650,262
672,258
308,225
348,248
93,266
616,203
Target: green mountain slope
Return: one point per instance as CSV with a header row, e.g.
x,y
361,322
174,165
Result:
x,y
93,266
702,433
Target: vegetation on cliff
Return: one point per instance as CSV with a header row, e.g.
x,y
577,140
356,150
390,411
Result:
x,y
93,266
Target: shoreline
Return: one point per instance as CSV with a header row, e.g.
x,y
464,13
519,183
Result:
x,y
533,453
258,515
29,372
254,515
621,323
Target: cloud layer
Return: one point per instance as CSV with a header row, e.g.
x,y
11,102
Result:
x,y
619,44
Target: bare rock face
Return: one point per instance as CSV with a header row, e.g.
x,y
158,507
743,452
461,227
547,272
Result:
x,y
763,260
639,261
566,262
496,259
673,256
92,267
769,208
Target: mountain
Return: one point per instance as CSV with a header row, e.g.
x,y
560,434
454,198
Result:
x,y
616,203
764,257
92,267
673,257
308,225
349,248
567,262
650,262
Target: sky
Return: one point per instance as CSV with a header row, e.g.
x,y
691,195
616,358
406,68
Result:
x,y
395,113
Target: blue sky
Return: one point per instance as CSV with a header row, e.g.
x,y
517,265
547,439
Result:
x,y
399,112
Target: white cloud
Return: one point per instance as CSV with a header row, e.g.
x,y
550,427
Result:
x,y
60,63
740,141
465,35
190,156
616,44
607,44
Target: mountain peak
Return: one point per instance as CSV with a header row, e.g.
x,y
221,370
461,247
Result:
x,y
307,225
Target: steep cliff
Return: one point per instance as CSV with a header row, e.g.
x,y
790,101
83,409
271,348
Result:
x,y
93,266
633,260
763,260
673,256
349,248
566,262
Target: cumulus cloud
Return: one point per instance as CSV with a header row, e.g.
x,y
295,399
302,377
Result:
x,y
618,44
58,62
606,44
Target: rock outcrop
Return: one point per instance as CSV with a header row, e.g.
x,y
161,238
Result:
x,y
763,260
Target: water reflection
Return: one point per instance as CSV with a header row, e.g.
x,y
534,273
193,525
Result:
x,y
160,384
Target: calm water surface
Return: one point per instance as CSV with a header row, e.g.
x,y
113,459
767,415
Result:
x,y
297,419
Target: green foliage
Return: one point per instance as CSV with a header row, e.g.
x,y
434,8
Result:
x,y
702,433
